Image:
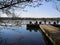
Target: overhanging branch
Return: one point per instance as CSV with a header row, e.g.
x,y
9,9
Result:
x,y
11,3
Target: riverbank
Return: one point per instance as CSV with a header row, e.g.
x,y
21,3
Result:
x,y
20,18
52,32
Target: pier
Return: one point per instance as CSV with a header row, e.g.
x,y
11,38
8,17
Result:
x,y
52,32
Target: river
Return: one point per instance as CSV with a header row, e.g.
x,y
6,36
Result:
x,y
20,35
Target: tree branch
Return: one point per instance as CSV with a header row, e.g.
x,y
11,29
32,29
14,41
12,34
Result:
x,y
11,3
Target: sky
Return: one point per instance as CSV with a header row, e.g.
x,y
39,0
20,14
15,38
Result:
x,y
44,11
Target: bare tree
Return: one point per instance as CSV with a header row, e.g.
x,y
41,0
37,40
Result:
x,y
7,6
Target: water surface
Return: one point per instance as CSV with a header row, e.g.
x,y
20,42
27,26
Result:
x,y
20,36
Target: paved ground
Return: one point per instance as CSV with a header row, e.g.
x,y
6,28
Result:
x,y
53,33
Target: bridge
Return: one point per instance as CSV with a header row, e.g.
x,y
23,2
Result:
x,y
19,21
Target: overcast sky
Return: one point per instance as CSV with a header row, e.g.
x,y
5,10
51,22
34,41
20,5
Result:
x,y
45,10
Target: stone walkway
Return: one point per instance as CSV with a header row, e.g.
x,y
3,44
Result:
x,y
53,33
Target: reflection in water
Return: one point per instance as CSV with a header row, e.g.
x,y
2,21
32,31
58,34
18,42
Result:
x,y
47,41
32,29
20,36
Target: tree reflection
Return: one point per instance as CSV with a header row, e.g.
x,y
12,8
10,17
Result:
x,y
10,23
